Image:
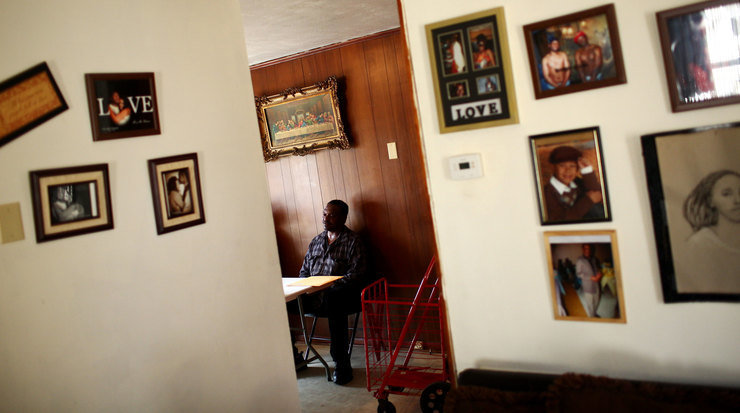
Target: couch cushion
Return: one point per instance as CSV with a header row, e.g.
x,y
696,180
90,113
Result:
x,y
574,393
477,399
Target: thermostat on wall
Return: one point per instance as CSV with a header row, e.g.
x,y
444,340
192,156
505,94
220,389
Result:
x,y
466,166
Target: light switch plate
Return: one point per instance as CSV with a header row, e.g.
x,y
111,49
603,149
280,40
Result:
x,y
11,225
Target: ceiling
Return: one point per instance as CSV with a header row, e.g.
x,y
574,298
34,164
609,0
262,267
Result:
x,y
280,28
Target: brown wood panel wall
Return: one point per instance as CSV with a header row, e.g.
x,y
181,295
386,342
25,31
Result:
x,y
388,199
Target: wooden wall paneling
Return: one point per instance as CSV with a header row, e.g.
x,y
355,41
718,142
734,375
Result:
x,y
397,238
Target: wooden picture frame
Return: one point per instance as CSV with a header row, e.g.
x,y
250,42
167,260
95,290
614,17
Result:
x,y
585,286
27,100
701,70
588,53
176,192
692,177
299,121
471,71
71,201
122,105
568,169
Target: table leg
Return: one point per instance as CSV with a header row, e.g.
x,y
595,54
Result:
x,y
308,346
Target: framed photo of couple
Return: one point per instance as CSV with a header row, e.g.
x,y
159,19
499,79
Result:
x,y
575,52
176,192
585,276
471,71
570,177
693,180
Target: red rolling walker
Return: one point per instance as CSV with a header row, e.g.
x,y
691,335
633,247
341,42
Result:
x,y
405,349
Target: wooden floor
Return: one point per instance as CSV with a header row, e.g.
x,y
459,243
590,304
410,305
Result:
x,y
317,394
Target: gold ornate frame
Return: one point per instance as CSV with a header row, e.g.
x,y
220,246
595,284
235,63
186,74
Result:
x,y
299,121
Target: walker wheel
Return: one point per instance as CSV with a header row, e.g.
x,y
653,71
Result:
x,y
433,397
384,406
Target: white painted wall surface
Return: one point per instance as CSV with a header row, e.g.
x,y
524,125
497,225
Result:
x,y
126,320
491,247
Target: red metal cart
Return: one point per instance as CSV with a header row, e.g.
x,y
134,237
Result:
x,y
405,349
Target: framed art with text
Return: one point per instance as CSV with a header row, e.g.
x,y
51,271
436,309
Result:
x,y
693,182
71,201
570,177
471,70
585,276
299,121
702,66
176,192
122,105
575,52
27,100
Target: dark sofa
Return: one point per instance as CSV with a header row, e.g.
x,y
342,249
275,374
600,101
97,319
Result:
x,y
481,390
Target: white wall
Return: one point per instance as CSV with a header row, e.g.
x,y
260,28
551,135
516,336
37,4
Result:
x,y
126,320
490,240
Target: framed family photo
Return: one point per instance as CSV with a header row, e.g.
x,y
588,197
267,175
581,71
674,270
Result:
x,y
693,182
299,121
575,52
702,69
585,276
471,69
176,192
71,201
122,105
27,100
570,177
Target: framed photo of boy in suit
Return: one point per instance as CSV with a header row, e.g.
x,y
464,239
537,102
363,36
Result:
x,y
570,177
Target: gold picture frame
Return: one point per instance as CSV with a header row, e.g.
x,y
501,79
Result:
x,y
585,286
471,71
299,121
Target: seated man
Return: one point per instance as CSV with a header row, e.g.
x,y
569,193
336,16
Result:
x,y
336,251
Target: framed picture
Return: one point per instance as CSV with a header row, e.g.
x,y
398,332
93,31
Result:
x,y
27,100
701,68
471,69
693,182
575,52
570,177
299,121
585,276
122,105
178,202
71,201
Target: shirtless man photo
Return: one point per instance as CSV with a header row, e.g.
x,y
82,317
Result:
x,y
588,58
555,65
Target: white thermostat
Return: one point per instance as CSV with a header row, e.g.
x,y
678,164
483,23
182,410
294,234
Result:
x,y
466,166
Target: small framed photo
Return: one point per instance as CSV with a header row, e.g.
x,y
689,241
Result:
x,y
71,201
122,105
471,67
570,177
27,100
575,52
585,276
176,192
693,182
299,121
702,69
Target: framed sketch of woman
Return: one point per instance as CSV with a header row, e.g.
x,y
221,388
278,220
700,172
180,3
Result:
x,y
694,188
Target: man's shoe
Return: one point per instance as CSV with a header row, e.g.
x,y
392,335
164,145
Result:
x,y
342,375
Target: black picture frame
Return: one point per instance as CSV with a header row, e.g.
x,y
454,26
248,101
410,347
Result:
x,y
71,201
683,168
579,148
173,212
695,54
598,27
122,105
471,69
27,100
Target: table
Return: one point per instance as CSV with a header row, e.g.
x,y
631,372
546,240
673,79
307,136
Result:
x,y
296,292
